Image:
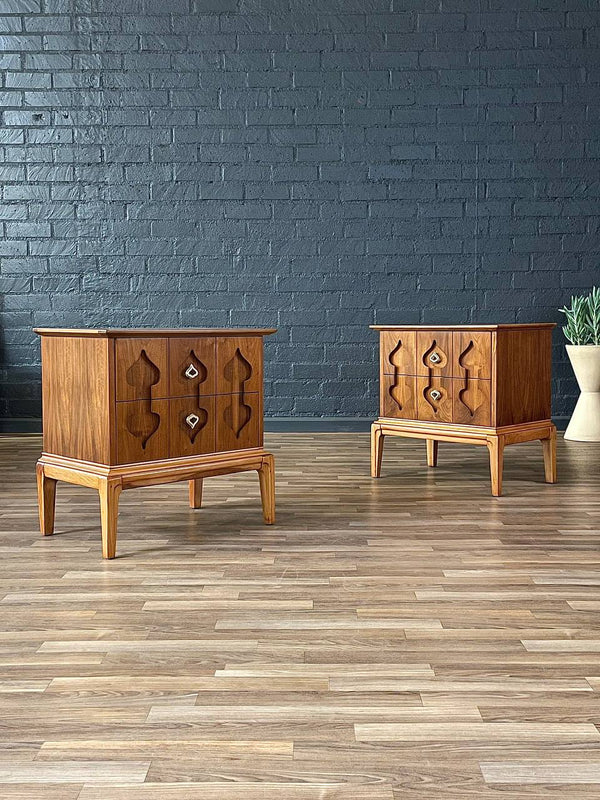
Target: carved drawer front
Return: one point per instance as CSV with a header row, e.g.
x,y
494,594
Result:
x,y
434,399
434,353
472,354
239,421
239,364
192,426
142,430
398,352
141,368
192,367
471,399
398,396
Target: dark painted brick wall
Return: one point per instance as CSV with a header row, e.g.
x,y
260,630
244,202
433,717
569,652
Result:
x,y
317,166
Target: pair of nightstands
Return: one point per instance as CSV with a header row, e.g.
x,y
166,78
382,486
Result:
x,y
127,408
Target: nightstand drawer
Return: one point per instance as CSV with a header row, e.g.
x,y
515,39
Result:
x,y
397,398
472,354
141,368
192,367
142,431
192,426
471,402
239,421
434,399
239,364
398,353
434,353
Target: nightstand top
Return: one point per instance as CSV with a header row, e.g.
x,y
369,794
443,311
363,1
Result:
x,y
508,326
148,333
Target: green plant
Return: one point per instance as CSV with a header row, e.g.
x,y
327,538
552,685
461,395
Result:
x,y
583,318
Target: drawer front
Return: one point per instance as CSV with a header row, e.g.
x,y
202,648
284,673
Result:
x,y
141,368
239,421
192,426
398,352
472,405
192,367
239,364
397,398
472,354
434,353
434,399
142,430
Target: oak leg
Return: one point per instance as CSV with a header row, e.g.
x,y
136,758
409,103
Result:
x,y
109,509
549,448
196,493
496,448
376,450
432,452
46,500
266,476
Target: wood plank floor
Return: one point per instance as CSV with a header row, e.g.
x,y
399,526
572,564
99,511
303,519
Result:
x,y
411,637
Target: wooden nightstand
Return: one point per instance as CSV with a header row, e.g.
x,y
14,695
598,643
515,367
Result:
x,y
475,384
126,408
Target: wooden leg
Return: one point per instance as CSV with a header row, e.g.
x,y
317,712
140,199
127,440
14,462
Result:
x,y
432,452
376,450
109,509
549,446
496,448
196,493
46,500
266,476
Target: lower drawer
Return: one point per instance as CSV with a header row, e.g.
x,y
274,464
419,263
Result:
x,y
456,400
151,430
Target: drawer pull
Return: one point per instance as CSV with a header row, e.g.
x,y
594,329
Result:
x,y
435,394
191,372
192,420
435,358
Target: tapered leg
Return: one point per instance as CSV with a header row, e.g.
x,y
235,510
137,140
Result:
x,y
496,448
46,500
432,452
266,476
109,509
376,450
549,447
196,493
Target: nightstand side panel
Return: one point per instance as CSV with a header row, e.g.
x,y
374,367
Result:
x,y
76,397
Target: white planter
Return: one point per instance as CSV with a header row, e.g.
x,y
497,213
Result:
x,y
585,422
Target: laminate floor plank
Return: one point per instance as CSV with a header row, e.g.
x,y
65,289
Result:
x,y
408,638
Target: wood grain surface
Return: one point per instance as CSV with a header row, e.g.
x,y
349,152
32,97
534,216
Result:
x,y
385,640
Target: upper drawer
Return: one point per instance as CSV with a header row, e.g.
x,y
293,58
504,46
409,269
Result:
x,y
397,351
141,368
192,366
239,364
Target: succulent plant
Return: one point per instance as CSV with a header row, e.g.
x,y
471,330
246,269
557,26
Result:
x,y
583,318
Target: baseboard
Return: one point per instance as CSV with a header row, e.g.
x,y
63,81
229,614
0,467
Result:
x,y
317,424
272,424
21,425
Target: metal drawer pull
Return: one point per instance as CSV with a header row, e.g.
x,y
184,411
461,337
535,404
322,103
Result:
x,y
435,394
435,358
191,372
192,420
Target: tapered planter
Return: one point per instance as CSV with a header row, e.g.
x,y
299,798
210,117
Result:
x,y
585,422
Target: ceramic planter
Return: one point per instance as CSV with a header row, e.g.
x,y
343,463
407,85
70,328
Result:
x,y
585,422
